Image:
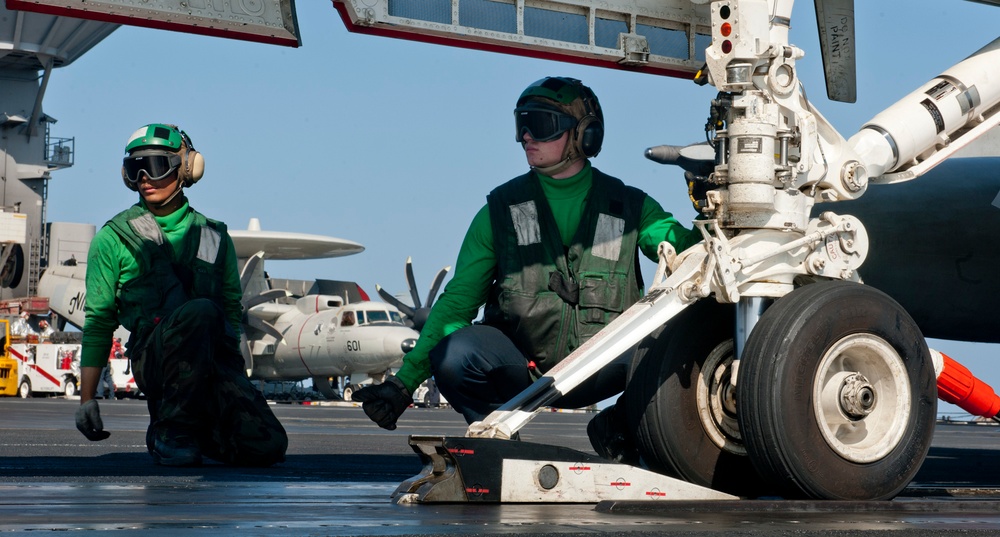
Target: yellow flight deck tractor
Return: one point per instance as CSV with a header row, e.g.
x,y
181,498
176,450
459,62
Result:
x,y
8,365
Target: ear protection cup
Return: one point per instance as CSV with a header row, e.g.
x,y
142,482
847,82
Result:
x,y
192,163
192,167
590,135
590,128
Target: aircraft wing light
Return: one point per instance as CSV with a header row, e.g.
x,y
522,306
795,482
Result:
x,y
666,37
271,22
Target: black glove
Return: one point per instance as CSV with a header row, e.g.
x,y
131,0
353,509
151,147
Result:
x,y
384,403
88,421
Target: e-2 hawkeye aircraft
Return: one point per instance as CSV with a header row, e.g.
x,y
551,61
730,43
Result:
x,y
292,329
785,354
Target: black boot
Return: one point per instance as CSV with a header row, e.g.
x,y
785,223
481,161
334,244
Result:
x,y
607,433
172,448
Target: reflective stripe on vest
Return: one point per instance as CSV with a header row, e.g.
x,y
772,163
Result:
x,y
208,244
209,241
608,237
525,217
146,227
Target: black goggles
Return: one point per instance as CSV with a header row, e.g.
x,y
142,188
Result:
x,y
542,125
156,166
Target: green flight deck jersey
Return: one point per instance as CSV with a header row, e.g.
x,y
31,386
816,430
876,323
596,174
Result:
x,y
602,290
140,267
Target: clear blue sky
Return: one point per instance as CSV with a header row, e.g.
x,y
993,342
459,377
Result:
x,y
395,144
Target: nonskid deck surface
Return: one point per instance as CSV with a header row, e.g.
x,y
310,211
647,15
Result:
x,y
341,469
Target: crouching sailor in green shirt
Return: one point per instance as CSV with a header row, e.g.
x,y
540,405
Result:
x,y
553,257
168,275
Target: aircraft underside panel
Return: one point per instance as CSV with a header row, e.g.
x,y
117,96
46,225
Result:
x,y
934,247
654,36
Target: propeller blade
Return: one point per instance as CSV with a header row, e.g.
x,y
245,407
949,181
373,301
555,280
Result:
x,y
265,327
411,281
407,310
266,296
249,267
251,277
420,318
836,39
415,314
436,285
247,353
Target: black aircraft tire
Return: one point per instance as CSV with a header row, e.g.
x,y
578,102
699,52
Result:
x,y
674,434
811,349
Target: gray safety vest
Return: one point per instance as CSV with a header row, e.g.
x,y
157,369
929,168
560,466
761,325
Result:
x,y
550,299
162,284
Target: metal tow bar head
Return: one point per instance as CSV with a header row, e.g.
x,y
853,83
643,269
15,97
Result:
x,y
462,469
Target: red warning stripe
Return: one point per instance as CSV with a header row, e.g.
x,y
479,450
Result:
x,y
40,371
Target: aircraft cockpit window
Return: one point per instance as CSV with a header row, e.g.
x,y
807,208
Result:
x,y
347,319
396,317
378,316
361,318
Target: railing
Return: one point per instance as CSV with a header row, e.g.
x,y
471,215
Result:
x,y
59,152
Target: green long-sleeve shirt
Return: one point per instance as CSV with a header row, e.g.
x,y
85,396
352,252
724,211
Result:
x,y
110,265
467,291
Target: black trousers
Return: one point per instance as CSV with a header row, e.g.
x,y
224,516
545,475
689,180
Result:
x,y
194,380
478,368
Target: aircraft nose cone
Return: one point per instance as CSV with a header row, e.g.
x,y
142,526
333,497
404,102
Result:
x,y
408,345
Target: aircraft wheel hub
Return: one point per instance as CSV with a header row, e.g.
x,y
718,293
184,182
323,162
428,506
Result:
x,y
854,376
717,400
857,396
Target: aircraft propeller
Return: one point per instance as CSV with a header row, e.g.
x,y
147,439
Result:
x,y
255,292
837,46
416,315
